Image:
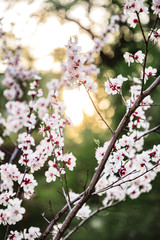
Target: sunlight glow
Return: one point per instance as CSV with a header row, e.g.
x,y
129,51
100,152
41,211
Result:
x,y
41,39
98,15
77,103
44,64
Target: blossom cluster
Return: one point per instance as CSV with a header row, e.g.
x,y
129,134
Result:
x,y
110,29
15,74
75,74
14,212
130,170
156,7
33,233
114,85
139,57
132,9
130,58
126,171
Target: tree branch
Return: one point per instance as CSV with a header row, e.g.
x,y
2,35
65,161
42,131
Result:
x,y
64,193
14,155
100,168
148,132
99,112
57,217
112,184
86,219
80,25
128,180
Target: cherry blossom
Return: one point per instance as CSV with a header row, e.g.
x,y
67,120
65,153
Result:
x,y
114,85
133,19
130,58
135,6
155,35
149,72
28,183
33,233
156,7
15,211
56,228
84,212
53,172
70,161
132,8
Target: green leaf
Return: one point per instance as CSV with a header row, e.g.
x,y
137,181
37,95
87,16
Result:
x,y
97,142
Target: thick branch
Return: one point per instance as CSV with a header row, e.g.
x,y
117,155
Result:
x,y
100,168
86,219
57,217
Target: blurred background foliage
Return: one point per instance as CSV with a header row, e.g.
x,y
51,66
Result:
x,y
133,219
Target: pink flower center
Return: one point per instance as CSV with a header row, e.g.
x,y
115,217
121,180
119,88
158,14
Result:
x,y
135,20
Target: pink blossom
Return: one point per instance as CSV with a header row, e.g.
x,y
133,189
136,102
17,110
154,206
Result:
x,y
15,210
155,35
156,7
133,19
84,212
113,86
149,72
70,161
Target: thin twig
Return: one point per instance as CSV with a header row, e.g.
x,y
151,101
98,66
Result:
x,y
152,46
120,93
67,189
7,231
57,217
45,218
146,51
151,105
64,193
19,187
139,21
130,180
149,36
50,207
112,184
144,66
126,181
148,132
99,112
84,187
80,25
14,154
